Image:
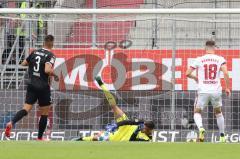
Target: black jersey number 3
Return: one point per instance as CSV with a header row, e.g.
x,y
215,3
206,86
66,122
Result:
x,y
37,66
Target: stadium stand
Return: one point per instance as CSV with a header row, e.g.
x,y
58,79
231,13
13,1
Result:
x,y
79,34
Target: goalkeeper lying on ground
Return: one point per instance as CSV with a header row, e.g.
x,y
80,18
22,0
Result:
x,y
124,129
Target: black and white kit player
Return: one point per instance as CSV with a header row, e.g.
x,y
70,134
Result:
x,y
40,69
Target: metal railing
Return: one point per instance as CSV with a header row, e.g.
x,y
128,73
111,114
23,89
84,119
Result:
x,y
16,67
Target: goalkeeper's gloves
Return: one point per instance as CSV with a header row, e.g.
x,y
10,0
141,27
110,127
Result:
x,y
111,127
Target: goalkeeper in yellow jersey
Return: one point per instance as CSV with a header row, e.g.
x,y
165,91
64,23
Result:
x,y
124,129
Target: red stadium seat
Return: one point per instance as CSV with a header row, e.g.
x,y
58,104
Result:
x,y
106,31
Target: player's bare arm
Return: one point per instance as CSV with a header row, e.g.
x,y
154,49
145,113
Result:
x,y
50,71
190,74
226,78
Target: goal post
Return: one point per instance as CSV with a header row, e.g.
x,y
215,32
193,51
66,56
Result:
x,y
142,56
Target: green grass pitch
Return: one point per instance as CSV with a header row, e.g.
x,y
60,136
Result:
x,y
116,150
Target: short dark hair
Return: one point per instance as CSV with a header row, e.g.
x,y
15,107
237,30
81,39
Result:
x,y
210,43
49,38
149,124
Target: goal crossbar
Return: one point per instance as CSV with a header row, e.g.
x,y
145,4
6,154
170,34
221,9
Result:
x,y
121,11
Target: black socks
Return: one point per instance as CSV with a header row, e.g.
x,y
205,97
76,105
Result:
x,y
20,114
42,125
42,122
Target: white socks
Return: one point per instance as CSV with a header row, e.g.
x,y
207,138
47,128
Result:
x,y
220,122
198,120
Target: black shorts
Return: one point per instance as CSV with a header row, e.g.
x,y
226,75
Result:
x,y
42,95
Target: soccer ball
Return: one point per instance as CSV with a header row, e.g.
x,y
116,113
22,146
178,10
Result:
x,y
103,136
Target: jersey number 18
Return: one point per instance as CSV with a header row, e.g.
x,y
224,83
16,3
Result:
x,y
210,71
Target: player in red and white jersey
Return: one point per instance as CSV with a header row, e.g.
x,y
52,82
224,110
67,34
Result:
x,y
208,69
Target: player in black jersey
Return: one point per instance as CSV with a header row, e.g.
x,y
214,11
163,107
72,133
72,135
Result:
x,y
40,70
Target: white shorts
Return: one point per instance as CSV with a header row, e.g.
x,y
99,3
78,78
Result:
x,y
203,99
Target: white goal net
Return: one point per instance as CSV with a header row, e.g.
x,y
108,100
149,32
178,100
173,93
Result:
x,y
142,58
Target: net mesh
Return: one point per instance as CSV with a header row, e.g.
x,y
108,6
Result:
x,y
134,56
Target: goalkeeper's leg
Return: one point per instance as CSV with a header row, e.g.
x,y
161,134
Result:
x,y
118,113
86,138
